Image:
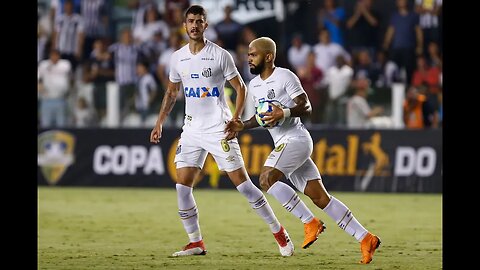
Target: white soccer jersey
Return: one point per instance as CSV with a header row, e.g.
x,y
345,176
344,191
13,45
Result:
x,y
283,86
203,79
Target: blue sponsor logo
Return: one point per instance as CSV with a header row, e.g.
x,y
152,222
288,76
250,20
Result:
x,y
201,92
194,75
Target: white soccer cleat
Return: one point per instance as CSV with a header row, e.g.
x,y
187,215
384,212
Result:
x,y
284,242
196,248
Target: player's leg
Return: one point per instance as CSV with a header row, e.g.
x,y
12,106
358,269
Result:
x,y
229,158
259,203
285,159
189,160
307,178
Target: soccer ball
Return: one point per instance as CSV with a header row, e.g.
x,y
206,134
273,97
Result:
x,y
266,106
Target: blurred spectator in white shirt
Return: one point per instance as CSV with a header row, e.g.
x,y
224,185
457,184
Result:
x,y
338,79
358,110
54,82
298,53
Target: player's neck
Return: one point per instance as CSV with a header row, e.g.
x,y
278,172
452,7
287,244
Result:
x,y
196,46
267,72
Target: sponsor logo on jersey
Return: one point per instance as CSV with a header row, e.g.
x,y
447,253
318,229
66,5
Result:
x,y
271,94
185,59
194,76
270,82
207,58
201,92
55,154
207,72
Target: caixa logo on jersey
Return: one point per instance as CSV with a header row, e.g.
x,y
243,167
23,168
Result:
x,y
132,159
201,92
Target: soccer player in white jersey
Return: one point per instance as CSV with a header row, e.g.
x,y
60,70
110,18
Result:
x,y
293,147
202,68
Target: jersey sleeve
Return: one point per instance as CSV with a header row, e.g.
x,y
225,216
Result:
x,y
173,74
292,85
228,66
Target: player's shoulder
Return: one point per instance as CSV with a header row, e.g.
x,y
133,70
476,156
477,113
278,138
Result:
x,y
282,70
213,45
284,73
181,52
215,48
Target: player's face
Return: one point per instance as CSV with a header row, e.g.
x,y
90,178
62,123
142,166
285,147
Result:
x,y
256,60
195,26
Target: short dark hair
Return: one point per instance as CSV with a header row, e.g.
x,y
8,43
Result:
x,y
195,10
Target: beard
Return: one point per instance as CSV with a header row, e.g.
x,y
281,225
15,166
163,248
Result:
x,y
258,68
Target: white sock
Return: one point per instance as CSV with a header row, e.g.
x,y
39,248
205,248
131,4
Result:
x,y
345,219
260,204
187,209
290,201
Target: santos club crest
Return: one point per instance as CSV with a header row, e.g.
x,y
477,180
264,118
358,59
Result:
x,y
55,154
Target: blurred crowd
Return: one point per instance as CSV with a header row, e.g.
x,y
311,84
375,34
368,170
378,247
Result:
x,y
357,56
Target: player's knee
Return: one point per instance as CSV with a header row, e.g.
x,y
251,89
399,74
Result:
x,y
266,180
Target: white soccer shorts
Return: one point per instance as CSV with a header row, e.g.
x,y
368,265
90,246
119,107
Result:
x,y
192,150
291,156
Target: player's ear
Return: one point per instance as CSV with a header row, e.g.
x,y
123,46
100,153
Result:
x,y
269,57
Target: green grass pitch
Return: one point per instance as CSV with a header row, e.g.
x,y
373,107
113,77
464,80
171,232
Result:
x,y
139,228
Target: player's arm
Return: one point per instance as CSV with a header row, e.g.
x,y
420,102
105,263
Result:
x,y
236,125
239,85
302,108
167,105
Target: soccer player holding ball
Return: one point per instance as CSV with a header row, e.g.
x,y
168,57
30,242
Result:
x,y
202,67
293,148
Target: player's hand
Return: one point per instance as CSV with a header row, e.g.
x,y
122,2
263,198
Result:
x,y
231,135
275,115
156,134
232,128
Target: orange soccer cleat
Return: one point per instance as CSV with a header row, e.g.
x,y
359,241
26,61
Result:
x,y
368,246
312,230
195,248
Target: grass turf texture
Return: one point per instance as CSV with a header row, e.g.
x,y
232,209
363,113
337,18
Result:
x,y
137,228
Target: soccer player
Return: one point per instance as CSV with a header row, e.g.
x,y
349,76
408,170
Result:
x,y
202,68
293,147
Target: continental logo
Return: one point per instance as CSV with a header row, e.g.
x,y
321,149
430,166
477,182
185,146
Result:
x,y
331,159
341,160
55,154
201,92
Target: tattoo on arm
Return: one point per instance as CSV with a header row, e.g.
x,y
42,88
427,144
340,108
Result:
x,y
303,107
167,103
250,123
